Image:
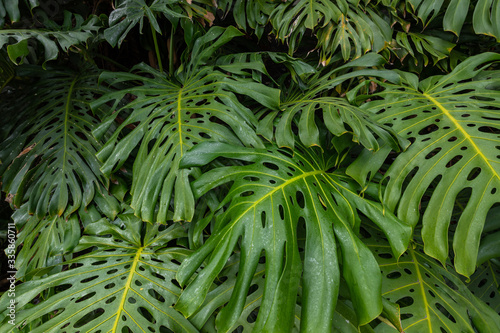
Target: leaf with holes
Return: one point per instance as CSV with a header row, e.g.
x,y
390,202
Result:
x,y
49,157
309,111
127,282
43,242
73,31
349,27
485,284
270,196
454,121
432,298
167,118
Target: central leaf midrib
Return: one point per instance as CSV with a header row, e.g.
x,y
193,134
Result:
x,y
286,183
126,288
464,132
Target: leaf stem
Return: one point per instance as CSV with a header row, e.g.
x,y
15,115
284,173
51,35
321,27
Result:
x,y
157,49
171,52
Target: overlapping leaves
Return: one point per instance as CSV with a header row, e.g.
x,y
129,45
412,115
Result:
x,y
48,160
337,25
125,283
432,298
170,117
73,31
486,15
309,110
454,121
269,198
129,13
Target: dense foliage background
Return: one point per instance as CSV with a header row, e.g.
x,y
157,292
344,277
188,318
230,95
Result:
x,y
250,166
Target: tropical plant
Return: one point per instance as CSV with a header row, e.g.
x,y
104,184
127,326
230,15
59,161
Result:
x,y
295,166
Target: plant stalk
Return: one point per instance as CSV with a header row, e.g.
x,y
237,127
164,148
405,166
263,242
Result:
x,y
171,53
157,49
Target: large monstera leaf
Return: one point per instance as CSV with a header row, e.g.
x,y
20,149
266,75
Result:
x,y
311,112
454,121
167,118
432,297
48,159
337,24
126,283
271,195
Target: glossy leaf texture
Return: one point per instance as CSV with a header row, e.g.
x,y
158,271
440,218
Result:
x,y
344,317
338,25
432,297
270,196
309,112
125,283
454,123
170,117
485,284
74,30
48,159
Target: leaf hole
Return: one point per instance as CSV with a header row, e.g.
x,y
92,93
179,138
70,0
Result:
x,y
474,173
271,166
433,153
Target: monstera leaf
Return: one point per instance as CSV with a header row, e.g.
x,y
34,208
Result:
x,y
125,283
48,160
344,317
73,31
308,111
271,195
485,284
337,24
167,118
250,15
432,298
9,8
43,242
454,121
485,17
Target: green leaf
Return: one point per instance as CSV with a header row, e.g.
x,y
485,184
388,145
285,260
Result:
x,y
64,36
169,118
124,283
43,242
270,196
49,157
336,25
432,298
9,8
485,284
129,13
454,123
486,18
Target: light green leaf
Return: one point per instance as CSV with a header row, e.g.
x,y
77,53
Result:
x,y
268,199
485,284
124,283
454,123
432,298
